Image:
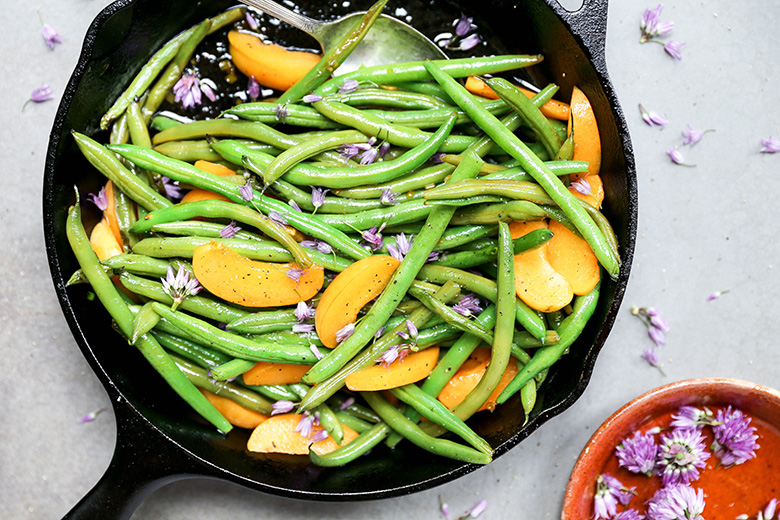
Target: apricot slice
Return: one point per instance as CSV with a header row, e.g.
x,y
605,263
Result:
x,y
236,414
412,368
468,376
596,196
110,213
553,108
277,435
264,373
271,65
349,292
537,284
587,143
242,281
213,168
199,194
573,258
103,241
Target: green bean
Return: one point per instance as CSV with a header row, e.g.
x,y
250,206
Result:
x,y
333,57
532,240
275,392
501,212
359,425
263,321
467,259
163,121
517,190
415,71
397,135
533,165
191,151
233,344
606,228
184,172
412,181
160,59
524,339
528,397
201,305
424,87
428,406
567,149
124,208
450,316
569,330
521,104
349,406
187,349
310,148
297,115
202,229
137,264
468,201
554,319
330,422
139,133
456,236
329,204
432,118
109,296
349,452
401,213
222,209
108,164
397,286
144,322
242,396
231,369
288,337
413,433
390,98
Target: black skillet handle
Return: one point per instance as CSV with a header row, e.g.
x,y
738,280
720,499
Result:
x,y
140,466
589,24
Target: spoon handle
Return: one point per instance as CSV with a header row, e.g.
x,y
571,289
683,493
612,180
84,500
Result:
x,y
299,21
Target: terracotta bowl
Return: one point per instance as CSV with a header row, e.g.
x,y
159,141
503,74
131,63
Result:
x,y
729,492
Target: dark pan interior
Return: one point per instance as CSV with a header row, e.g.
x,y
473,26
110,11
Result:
x,y
120,40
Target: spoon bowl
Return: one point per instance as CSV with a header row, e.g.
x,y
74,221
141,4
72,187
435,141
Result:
x,y
389,40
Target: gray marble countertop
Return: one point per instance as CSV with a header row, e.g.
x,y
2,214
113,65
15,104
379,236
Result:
x,y
702,229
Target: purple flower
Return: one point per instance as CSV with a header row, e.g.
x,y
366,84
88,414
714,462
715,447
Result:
x,y
769,511
303,328
649,22
673,48
692,417
401,248
344,332
230,230
629,514
769,145
306,424
676,156
734,439
253,88
392,354
41,94
652,118
294,274
187,91
582,186
676,502
609,492
348,151
207,87
638,453
374,237
318,197
172,190
277,218
656,329
715,295
304,311
312,98
100,200
179,286
412,334
383,149
348,86
468,305
388,197
91,416
315,350
437,158
282,406
475,511
445,509
435,256
369,156
463,26
656,320
347,403
319,435
470,42
681,455
281,112
246,191
250,21
319,245
691,135
650,355
294,205
50,35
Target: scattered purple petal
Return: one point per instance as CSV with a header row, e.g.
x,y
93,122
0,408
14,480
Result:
x,y
470,42
638,453
369,156
50,35
172,189
734,439
388,197
673,48
207,87
303,328
374,237
294,274
392,354
318,197
251,21
294,205
649,22
100,200
715,295
383,149
692,417
681,454
437,158
319,435
657,320
282,406
230,230
768,145
312,98
691,135
314,349
401,248
445,509
463,26
344,332
650,354
348,86
629,514
609,492
180,286
468,305
306,425
664,28
246,191
91,416
677,157
582,186
277,218
347,403
435,256
769,511
253,88
187,91
319,245
44,93
348,151
652,118
304,311
281,112
676,501
477,510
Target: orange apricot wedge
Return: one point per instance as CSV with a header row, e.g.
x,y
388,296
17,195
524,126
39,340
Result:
x,y
537,284
264,373
103,241
587,143
596,196
110,212
236,414
349,292
572,258
242,281
213,168
200,194
468,376
552,108
277,435
412,368
271,65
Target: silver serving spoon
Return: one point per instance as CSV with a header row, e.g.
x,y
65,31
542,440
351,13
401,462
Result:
x,y
388,41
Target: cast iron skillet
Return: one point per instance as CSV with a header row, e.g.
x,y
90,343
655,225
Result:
x,y
158,439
